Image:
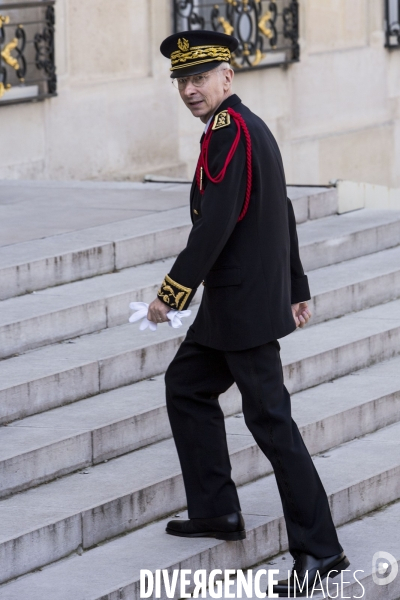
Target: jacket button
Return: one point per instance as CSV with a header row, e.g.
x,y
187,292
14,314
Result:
x,y
195,211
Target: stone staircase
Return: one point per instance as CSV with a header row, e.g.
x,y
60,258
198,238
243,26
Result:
x,y
89,471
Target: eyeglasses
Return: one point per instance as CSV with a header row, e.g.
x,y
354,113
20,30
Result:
x,y
198,81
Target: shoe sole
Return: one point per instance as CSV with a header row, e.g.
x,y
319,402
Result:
x,y
218,535
333,572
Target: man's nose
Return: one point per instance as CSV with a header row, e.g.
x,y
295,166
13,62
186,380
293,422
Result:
x,y
190,89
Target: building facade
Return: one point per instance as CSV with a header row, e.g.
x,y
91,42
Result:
x,y
335,113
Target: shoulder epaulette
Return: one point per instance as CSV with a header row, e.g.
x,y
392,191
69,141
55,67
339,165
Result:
x,y
222,119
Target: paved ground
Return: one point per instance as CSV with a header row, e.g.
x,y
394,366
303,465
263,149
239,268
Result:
x,y
33,210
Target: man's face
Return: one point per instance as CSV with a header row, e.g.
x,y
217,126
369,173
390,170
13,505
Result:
x,y
204,100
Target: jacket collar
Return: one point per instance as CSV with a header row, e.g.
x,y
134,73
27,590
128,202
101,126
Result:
x,y
228,102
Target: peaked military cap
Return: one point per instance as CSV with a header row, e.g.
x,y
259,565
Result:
x,y
193,52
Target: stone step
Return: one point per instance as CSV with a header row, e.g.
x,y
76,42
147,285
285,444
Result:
x,y
359,476
42,248
334,239
51,444
74,309
310,202
58,259
354,285
56,375
362,540
82,307
39,448
43,263
62,373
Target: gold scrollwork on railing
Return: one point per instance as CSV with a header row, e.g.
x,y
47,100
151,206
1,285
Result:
x,y
228,28
257,58
234,62
6,54
262,25
4,88
4,20
27,53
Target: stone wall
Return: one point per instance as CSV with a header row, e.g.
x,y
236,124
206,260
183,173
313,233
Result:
x,y
336,114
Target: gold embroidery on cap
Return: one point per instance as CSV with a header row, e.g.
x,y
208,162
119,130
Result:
x,y
198,55
183,44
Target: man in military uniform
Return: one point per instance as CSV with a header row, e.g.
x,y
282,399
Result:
x,y
243,248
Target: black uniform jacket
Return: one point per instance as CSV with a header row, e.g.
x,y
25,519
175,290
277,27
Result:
x,y
251,269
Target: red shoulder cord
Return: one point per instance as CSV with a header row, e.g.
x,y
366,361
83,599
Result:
x,y
203,158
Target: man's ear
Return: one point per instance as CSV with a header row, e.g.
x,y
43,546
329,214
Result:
x,y
228,78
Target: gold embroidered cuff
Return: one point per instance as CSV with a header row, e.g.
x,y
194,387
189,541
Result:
x,y
174,294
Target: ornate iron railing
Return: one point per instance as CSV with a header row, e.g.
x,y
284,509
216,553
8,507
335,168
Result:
x,y
27,68
267,30
392,14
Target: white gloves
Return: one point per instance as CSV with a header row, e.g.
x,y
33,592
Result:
x,y
141,309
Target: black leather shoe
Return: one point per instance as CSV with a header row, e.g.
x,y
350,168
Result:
x,y
304,563
228,527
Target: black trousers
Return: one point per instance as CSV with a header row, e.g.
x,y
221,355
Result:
x,y
194,380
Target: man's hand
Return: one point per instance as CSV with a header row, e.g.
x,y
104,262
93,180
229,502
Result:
x,y
158,311
301,313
